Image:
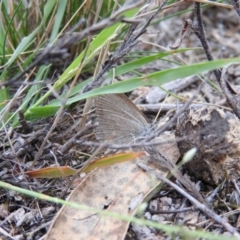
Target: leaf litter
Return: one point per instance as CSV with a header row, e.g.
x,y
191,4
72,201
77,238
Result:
x,y
20,221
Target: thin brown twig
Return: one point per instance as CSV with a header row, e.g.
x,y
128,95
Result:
x,y
128,43
198,28
195,202
172,211
70,143
236,5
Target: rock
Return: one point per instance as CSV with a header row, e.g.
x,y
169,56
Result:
x,y
217,139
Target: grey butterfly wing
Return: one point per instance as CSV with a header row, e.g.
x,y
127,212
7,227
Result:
x,y
117,116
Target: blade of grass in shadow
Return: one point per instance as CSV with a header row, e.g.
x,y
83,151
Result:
x,y
34,91
26,41
32,94
9,30
2,45
43,70
3,97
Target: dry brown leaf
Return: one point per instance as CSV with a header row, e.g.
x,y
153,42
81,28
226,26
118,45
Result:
x,y
64,171
52,172
114,187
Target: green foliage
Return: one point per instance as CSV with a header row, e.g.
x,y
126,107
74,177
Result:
x,y
24,35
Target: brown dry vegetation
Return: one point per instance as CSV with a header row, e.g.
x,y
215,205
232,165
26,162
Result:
x,y
37,137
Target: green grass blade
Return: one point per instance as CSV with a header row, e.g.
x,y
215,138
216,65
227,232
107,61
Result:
x,y
3,97
48,8
154,79
126,68
26,41
58,19
169,229
98,42
132,65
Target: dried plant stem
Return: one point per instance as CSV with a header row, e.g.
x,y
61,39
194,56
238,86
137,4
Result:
x,y
198,28
195,202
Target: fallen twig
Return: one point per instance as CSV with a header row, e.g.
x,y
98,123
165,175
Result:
x,y
195,202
